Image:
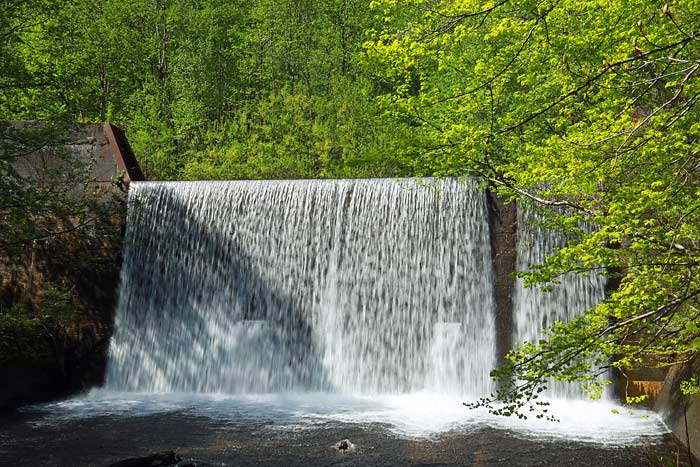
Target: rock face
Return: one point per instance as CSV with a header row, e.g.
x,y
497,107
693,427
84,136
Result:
x,y
76,362
23,383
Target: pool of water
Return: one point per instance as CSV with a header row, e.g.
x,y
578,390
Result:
x,y
420,414
423,428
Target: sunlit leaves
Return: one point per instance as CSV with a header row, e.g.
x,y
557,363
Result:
x,y
587,104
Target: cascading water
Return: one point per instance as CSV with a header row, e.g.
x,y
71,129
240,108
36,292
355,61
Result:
x,y
350,286
292,303
261,322
535,309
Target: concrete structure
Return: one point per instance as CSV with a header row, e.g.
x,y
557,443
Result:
x,y
100,147
90,160
681,412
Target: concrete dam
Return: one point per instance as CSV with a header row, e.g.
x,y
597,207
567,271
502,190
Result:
x,y
340,286
330,322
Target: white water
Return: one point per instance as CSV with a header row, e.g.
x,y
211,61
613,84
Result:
x,y
308,302
349,286
415,415
535,309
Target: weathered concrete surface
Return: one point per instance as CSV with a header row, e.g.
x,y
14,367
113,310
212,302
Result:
x,y
82,163
640,382
681,413
101,147
503,222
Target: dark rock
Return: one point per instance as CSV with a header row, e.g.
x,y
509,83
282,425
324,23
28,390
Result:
x,y
74,361
345,445
152,460
27,382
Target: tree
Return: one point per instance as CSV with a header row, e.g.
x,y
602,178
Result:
x,y
587,111
209,88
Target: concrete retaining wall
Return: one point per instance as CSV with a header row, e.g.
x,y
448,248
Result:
x,y
101,147
681,413
95,161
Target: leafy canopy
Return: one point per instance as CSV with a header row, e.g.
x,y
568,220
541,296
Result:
x,y
206,89
590,110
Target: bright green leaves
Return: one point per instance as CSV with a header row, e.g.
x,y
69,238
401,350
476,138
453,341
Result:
x,y
691,386
590,106
172,73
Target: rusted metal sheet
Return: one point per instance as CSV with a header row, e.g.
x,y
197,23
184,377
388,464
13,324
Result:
x,y
123,155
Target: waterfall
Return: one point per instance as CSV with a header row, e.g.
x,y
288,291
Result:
x,y
535,309
351,286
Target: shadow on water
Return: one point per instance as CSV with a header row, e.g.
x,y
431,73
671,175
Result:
x,y
190,293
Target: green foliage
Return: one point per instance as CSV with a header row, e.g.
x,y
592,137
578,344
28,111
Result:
x,y
637,399
28,331
586,106
45,191
205,89
691,386
208,89
297,135
585,111
23,338
56,229
59,303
